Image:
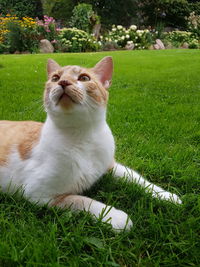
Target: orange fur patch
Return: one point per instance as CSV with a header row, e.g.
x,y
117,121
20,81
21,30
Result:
x,y
20,135
59,200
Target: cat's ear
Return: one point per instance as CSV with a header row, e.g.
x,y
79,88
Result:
x,y
52,66
104,69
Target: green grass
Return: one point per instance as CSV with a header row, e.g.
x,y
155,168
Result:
x,y
154,114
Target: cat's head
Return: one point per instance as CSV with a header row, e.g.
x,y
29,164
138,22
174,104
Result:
x,y
77,90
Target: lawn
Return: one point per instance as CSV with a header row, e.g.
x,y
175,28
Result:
x,y
154,113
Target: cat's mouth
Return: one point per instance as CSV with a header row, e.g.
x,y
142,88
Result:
x,y
68,96
65,96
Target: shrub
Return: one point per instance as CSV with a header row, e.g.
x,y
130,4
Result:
x,y
141,39
18,35
22,8
177,38
194,44
83,17
74,40
194,24
47,28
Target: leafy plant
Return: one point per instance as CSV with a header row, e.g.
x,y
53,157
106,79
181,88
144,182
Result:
x,y
75,40
83,17
47,28
178,38
141,39
194,23
22,8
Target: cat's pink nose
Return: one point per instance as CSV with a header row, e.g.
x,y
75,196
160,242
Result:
x,y
64,83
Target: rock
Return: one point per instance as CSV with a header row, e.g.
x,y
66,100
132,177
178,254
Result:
x,y
129,46
160,44
45,46
17,52
156,46
185,45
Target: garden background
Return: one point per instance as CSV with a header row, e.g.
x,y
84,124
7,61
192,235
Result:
x,y
79,26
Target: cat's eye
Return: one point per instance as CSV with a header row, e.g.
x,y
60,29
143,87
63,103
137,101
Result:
x,y
84,78
55,78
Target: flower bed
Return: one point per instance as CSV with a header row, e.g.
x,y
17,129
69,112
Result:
x,y
25,34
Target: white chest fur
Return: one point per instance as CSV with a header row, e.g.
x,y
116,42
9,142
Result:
x,y
64,161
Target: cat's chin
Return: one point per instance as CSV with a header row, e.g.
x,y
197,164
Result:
x,y
65,101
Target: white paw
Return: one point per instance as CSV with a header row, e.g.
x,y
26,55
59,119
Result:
x,y
117,218
168,196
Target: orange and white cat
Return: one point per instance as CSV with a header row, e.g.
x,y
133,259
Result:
x,y
56,161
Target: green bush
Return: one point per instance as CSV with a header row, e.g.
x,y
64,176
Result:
x,y
47,28
141,39
194,24
22,8
14,37
178,38
74,40
18,35
194,44
83,17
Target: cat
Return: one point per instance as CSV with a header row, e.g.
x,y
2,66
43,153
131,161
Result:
x,y
55,161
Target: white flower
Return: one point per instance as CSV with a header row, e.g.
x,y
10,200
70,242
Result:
x,y
130,42
114,29
127,36
146,30
99,42
133,27
119,27
123,37
139,32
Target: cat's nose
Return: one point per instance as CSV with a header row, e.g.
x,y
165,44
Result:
x,y
64,83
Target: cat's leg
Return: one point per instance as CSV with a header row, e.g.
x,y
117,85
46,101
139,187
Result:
x,y
117,218
122,171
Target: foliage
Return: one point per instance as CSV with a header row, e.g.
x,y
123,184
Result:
x,y
178,38
47,28
75,40
83,17
169,12
115,11
18,34
194,23
194,44
141,39
22,8
61,10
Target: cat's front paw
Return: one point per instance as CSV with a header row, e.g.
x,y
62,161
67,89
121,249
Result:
x,y
117,218
168,196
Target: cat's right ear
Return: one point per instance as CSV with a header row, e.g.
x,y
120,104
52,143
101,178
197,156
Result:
x,y
52,66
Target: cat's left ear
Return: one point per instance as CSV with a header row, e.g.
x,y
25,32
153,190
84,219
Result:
x,y
104,69
52,66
